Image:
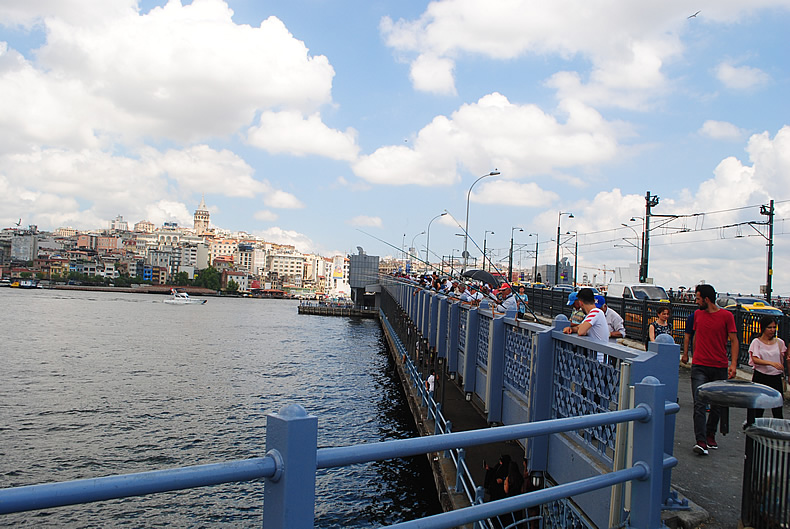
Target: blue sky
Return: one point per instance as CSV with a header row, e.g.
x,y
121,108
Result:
x,y
307,121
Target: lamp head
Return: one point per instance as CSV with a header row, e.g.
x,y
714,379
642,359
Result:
x,y
493,173
570,216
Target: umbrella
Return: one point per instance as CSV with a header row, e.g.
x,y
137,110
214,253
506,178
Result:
x,y
481,275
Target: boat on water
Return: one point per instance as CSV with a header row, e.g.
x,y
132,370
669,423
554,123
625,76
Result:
x,y
180,297
24,283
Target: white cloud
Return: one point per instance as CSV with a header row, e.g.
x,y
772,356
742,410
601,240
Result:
x,y
741,77
300,241
519,140
86,187
433,74
265,215
720,130
626,44
168,211
512,193
275,198
288,132
364,220
200,168
181,72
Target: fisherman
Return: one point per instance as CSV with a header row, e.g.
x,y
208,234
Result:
x,y
509,301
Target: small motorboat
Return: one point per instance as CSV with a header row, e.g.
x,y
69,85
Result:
x,y
180,297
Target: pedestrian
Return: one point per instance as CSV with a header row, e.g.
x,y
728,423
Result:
x,y
767,355
594,324
713,326
430,383
660,326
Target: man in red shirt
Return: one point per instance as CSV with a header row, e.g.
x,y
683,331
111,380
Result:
x,y
712,328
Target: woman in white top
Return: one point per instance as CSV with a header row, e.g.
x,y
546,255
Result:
x,y
767,355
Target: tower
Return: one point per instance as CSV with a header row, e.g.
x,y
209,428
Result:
x,y
201,217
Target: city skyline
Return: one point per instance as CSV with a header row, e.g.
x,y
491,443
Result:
x,y
315,124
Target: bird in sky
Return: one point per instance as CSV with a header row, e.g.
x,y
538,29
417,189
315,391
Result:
x,y
694,15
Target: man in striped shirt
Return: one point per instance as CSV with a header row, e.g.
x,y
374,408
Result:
x,y
594,324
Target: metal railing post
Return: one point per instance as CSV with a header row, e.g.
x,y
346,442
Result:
x,y
649,450
289,496
459,474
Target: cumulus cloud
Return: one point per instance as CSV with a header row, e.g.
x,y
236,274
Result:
x,y
276,198
720,130
265,215
433,74
300,241
289,132
519,140
626,45
512,193
364,220
200,168
86,187
741,77
180,72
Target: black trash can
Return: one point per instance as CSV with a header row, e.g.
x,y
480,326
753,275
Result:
x,y
767,485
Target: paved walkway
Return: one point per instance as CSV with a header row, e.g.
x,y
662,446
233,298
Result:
x,y
712,482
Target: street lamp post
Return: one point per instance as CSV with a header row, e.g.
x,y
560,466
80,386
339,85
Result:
x,y
466,226
428,241
412,252
575,255
557,259
484,246
510,259
535,271
636,237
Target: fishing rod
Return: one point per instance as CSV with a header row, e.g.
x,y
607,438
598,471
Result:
x,y
427,263
490,262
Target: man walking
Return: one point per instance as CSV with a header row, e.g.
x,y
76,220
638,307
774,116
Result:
x,y
712,328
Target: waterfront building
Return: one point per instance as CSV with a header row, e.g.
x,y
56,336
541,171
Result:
x,y
24,245
239,277
288,268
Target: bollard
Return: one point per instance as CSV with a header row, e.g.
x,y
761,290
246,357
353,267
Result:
x,y
289,496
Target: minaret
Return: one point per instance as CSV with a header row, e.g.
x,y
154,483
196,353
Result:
x,y
201,217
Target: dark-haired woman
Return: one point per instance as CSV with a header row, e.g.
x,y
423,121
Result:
x,y
661,326
767,355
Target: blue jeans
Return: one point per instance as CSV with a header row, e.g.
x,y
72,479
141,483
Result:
x,y
700,375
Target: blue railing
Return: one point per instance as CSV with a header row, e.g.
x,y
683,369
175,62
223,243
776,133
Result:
x,y
519,372
293,457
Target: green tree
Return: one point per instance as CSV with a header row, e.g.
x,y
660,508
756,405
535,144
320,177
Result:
x,y
209,278
25,275
233,287
181,279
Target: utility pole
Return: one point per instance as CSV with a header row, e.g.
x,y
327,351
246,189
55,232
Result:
x,y
769,212
651,201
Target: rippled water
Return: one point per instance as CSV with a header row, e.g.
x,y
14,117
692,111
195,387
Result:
x,y
100,383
